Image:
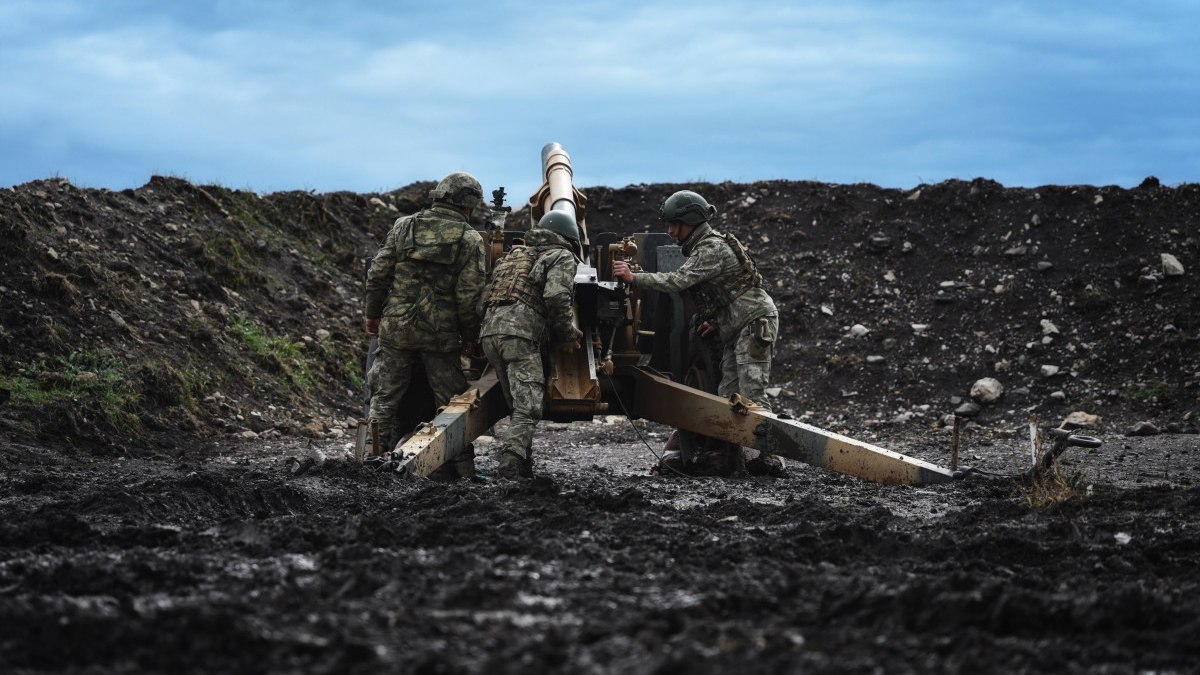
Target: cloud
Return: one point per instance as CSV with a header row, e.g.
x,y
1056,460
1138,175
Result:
x,y
363,96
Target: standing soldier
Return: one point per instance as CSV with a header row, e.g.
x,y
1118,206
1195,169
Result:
x,y
422,292
726,288
527,304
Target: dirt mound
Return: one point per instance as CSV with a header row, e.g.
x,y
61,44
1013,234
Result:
x,y
137,322
895,302
174,310
177,310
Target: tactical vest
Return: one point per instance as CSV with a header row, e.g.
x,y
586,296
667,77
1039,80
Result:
x,y
720,291
511,282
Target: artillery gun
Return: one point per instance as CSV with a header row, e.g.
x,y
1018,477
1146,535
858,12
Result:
x,y
641,359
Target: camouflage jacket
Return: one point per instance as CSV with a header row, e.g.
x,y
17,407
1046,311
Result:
x,y
552,278
426,280
711,261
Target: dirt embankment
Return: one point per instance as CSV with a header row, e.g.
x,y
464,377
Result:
x,y
130,318
137,318
139,321
1060,292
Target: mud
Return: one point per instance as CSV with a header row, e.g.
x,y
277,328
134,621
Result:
x,y
232,560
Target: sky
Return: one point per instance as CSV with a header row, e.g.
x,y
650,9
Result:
x,y
372,95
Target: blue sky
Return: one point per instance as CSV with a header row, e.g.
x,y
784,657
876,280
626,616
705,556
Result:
x,y
368,96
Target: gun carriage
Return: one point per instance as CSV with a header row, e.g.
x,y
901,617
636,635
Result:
x,y
640,358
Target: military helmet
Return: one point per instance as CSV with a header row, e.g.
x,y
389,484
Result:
x,y
561,222
686,207
460,189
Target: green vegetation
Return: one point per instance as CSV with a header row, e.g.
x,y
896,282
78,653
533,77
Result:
x,y
353,371
278,355
281,221
1053,487
1147,393
92,383
1094,298
195,382
226,259
165,386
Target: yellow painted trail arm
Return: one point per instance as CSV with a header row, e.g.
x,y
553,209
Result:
x,y
465,418
659,399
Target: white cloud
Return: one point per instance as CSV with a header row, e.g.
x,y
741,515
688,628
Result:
x,y
356,95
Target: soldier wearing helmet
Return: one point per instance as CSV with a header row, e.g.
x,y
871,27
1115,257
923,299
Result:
x,y
422,291
526,308
724,284
459,189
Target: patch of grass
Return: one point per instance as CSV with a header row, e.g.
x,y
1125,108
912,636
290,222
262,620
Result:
x,y
285,223
1053,487
93,384
354,371
226,259
276,354
164,386
195,381
1094,298
1147,393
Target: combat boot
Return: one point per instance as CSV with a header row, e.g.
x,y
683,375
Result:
x,y
766,464
378,440
671,464
724,459
514,466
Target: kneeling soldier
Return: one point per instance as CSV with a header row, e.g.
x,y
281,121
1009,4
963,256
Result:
x,y
723,281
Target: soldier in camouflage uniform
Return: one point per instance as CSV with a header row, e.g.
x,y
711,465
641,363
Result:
x,y
423,288
527,305
727,290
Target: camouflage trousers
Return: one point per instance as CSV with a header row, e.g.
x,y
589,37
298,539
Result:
x,y
391,374
518,364
746,363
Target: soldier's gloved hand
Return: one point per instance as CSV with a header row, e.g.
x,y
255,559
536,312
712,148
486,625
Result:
x,y
371,326
574,345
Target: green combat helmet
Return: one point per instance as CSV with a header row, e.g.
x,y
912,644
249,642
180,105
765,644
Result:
x,y
560,222
460,189
686,207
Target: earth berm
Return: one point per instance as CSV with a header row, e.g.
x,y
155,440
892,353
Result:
x,y
180,373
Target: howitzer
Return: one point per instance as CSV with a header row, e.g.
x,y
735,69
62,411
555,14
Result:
x,y
641,358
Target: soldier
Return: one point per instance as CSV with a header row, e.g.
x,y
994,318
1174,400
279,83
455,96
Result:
x,y
527,304
422,291
727,290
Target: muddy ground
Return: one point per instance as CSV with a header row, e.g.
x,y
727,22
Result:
x,y
232,561
179,378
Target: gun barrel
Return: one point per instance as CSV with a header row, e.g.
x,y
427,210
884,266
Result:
x,y
558,192
558,175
